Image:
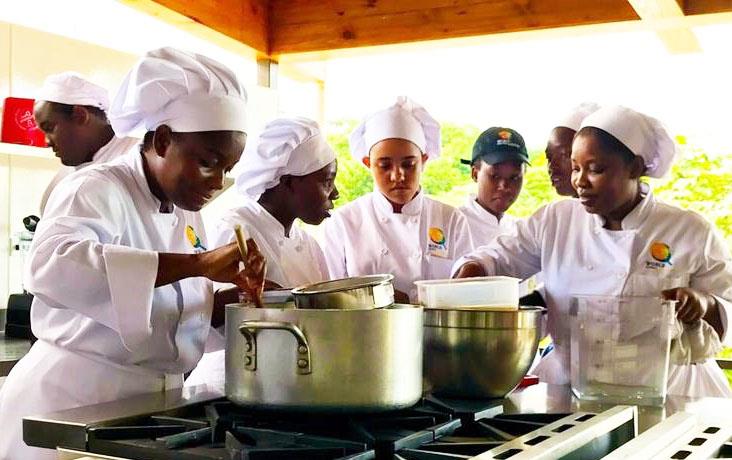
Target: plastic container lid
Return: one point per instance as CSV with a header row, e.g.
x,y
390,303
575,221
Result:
x,y
486,291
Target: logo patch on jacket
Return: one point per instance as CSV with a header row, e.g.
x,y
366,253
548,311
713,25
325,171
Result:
x,y
194,239
437,245
661,254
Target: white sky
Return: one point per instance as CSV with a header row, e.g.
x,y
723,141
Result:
x,y
526,84
529,84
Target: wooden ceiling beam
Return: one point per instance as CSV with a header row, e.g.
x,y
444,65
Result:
x,y
676,40
280,27
694,7
305,25
246,21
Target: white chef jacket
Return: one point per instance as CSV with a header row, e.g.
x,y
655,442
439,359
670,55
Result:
x,y
104,331
116,147
291,261
579,257
367,237
484,226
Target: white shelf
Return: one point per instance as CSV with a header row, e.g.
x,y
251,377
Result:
x,y
25,150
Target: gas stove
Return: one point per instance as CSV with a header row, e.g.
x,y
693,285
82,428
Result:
x,y
433,429
681,436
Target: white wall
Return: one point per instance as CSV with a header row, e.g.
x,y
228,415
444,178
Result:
x,y
27,56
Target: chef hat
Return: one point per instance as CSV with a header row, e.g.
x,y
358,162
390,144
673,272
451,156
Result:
x,y
404,120
186,91
72,89
287,146
573,120
645,136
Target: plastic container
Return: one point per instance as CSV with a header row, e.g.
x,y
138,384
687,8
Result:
x,y
619,348
486,291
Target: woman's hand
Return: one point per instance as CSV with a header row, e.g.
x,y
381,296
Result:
x,y
221,264
691,305
251,280
470,270
400,297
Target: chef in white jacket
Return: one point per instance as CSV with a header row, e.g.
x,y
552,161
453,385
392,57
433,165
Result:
x,y
289,174
498,163
396,229
72,113
616,239
119,266
559,148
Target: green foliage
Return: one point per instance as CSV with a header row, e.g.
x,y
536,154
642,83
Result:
x,y
353,179
702,183
727,353
442,174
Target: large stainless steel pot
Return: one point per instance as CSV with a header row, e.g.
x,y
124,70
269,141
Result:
x,y
324,360
478,352
360,292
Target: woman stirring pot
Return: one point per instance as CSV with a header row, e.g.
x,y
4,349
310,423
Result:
x,y
119,265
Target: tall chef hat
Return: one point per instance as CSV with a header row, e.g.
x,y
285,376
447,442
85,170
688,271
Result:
x,y
186,91
404,120
72,89
287,146
645,136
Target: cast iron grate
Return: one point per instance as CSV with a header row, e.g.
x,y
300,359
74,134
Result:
x,y
433,429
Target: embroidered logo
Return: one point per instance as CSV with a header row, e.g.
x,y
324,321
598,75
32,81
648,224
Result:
x,y
437,244
661,253
506,138
193,238
437,236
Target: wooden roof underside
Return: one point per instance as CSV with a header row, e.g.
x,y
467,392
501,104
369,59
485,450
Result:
x,y
279,27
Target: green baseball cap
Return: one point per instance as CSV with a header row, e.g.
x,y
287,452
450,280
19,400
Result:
x,y
496,145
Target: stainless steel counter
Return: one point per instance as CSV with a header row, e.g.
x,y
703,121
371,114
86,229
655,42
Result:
x,y
543,398
11,350
68,428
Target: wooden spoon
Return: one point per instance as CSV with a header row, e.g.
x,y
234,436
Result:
x,y
241,241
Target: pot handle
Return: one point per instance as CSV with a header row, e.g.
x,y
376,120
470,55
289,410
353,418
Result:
x,y
249,328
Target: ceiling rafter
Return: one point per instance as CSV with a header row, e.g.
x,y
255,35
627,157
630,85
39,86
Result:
x,y
282,27
676,39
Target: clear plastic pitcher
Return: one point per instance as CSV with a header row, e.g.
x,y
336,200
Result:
x,y
620,348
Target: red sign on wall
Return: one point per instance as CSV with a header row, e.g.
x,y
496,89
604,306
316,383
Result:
x,y
19,126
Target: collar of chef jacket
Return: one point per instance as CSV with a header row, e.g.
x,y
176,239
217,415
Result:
x,y
134,159
268,221
110,151
413,208
637,216
116,147
486,215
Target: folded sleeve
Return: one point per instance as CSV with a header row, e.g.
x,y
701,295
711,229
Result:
x,y
80,261
714,276
462,238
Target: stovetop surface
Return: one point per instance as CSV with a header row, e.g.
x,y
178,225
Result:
x,y
434,428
